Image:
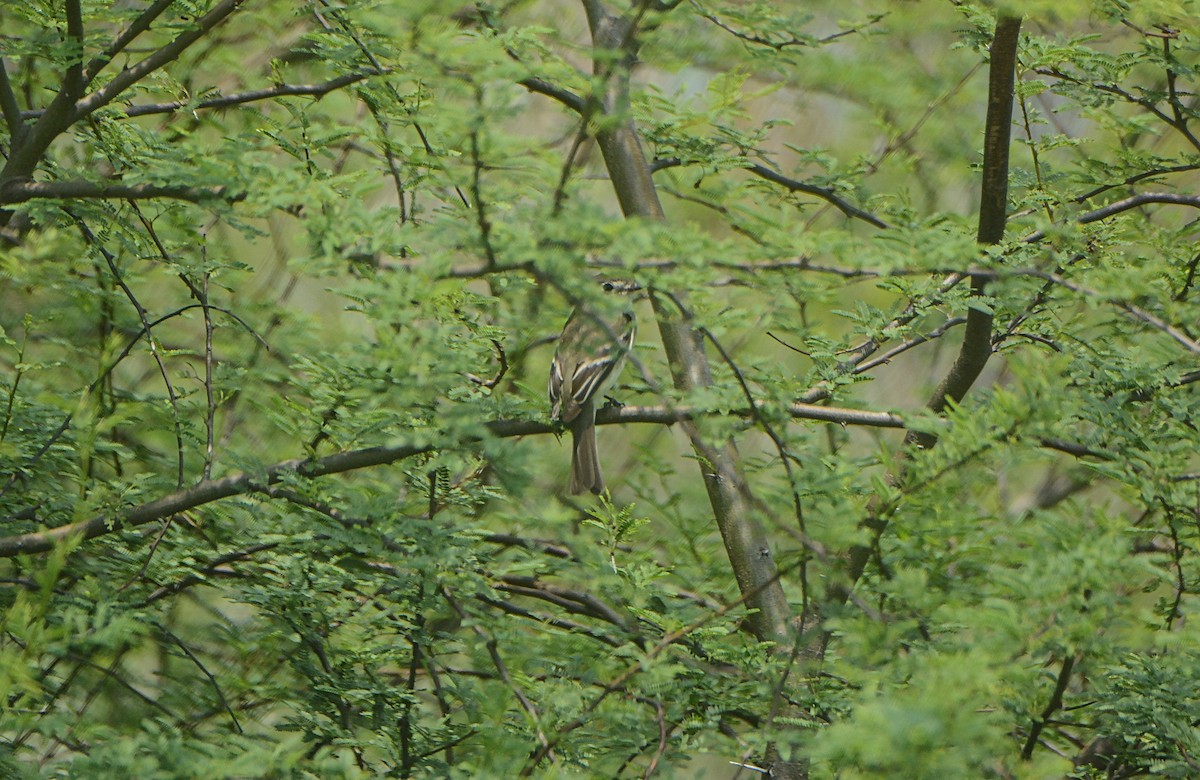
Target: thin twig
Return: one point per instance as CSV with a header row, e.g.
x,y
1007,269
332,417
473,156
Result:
x,y
204,669
493,650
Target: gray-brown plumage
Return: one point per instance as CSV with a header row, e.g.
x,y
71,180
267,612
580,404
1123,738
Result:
x,y
591,353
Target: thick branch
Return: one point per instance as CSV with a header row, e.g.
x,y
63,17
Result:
x,y
565,96
21,191
993,210
73,78
746,541
26,153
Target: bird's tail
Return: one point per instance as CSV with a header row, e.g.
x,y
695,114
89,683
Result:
x,y
585,462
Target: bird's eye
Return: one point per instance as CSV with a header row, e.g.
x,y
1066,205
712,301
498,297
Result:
x,y
608,286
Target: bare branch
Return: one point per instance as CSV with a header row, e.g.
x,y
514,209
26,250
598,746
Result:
x,y
1125,204
22,191
1136,312
204,669
1140,199
783,43
1134,179
915,341
1052,706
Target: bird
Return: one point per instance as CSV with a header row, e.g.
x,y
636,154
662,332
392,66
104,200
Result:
x,y
592,350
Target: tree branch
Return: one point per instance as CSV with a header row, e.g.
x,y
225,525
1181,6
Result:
x,y
73,78
212,490
126,37
1052,706
795,185
746,542
22,191
63,111
9,107
976,347
131,75
238,98
1134,179
1125,204
576,103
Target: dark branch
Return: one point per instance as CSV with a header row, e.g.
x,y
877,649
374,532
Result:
x,y
135,73
1125,204
976,347
794,185
225,101
1134,179
1052,706
1139,200
73,79
125,37
65,110
783,43
576,103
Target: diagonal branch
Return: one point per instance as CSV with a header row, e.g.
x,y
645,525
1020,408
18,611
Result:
x,y
746,542
138,26
1052,706
563,95
167,54
793,185
1125,204
9,108
826,194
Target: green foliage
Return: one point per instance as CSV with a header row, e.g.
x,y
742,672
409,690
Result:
x,y
278,491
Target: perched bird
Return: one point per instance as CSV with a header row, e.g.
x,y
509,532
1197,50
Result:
x,y
591,353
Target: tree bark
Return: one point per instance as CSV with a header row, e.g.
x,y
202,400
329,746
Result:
x,y
976,347
745,539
